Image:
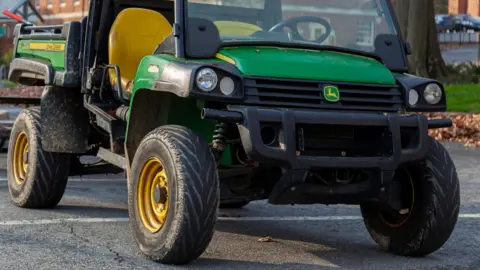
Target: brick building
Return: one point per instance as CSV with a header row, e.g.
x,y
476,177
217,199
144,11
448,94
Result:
x,y
471,7
58,11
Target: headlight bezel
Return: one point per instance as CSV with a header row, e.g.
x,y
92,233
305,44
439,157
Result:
x,y
216,93
408,82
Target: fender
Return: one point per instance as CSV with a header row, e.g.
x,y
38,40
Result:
x,y
64,121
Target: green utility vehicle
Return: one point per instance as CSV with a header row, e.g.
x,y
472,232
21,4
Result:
x,y
208,104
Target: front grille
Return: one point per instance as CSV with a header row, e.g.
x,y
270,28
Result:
x,y
343,141
309,94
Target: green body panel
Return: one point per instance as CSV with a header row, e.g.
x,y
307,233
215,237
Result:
x,y
55,57
308,65
144,78
183,111
186,112
263,62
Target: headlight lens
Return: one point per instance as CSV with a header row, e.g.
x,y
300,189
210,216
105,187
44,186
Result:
x,y
207,79
432,94
227,86
413,97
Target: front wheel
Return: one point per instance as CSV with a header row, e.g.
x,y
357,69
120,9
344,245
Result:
x,y
431,197
173,195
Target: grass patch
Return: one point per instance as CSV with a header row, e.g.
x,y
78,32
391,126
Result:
x,y
7,84
463,98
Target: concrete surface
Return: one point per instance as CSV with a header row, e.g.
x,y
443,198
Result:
x,y
90,230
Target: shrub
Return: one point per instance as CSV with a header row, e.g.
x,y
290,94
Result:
x,y
462,73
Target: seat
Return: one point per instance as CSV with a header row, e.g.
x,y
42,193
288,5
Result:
x,y
135,33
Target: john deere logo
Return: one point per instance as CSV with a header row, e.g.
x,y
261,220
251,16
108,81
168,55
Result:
x,y
331,93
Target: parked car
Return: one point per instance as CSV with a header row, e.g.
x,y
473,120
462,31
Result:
x,y
458,22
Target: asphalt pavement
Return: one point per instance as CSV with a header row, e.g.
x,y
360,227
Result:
x,y
90,230
464,54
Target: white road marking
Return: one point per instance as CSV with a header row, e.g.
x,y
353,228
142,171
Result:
x,y
120,220
291,218
317,218
58,221
471,216
86,180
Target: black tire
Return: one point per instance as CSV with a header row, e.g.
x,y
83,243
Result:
x,y
193,197
234,205
2,143
432,219
46,177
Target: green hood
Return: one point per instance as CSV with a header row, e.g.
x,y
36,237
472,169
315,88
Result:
x,y
307,64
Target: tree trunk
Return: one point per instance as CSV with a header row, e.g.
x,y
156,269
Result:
x,y
417,24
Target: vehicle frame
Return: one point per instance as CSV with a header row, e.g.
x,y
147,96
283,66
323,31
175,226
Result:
x,y
113,124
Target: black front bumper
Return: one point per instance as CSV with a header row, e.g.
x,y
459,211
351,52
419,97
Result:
x,y
251,119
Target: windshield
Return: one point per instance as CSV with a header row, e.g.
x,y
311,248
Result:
x,y
349,24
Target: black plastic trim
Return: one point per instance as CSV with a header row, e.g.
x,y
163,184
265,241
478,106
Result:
x,y
387,4
408,81
59,106
179,28
179,78
440,123
300,93
288,157
30,68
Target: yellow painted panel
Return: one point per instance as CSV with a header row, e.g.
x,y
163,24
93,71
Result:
x,y
45,46
231,28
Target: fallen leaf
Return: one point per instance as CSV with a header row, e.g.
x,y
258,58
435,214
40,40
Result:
x,y
465,129
266,239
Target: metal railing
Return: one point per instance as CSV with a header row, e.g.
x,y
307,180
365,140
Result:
x,y
459,37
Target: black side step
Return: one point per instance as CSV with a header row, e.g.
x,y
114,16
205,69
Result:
x,y
112,158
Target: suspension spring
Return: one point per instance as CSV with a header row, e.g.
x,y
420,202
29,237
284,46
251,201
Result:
x,y
219,142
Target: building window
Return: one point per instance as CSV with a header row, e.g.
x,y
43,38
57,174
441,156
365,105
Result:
x,y
50,4
76,2
63,3
365,32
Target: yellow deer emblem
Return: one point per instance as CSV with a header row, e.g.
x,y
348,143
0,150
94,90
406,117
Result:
x,y
331,93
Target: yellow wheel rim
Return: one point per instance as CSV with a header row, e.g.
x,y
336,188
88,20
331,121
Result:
x,y
20,158
153,195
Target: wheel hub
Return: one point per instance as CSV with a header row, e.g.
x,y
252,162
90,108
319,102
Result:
x,y
20,158
152,195
406,194
160,194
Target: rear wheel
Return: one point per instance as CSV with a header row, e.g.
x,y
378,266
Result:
x,y
173,195
431,197
36,178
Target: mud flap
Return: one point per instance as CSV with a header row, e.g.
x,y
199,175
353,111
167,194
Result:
x,y
64,121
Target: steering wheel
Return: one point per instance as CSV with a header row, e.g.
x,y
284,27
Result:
x,y
292,23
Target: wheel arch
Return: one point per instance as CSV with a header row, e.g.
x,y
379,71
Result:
x,y
150,109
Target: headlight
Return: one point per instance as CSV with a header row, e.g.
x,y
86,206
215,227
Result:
x,y
227,86
207,80
432,94
412,97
